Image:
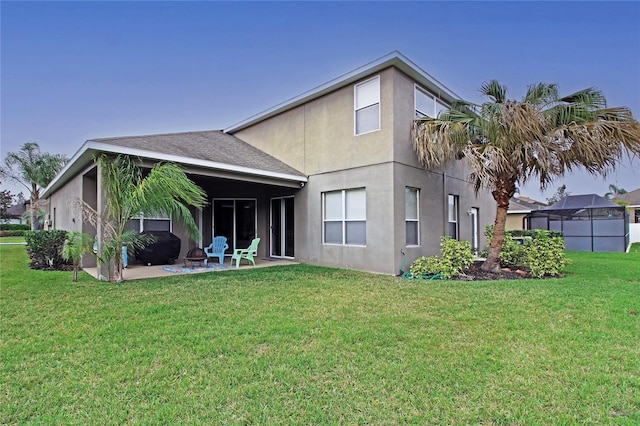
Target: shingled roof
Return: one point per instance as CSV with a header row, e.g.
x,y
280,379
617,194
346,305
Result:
x,y
211,152
632,197
213,146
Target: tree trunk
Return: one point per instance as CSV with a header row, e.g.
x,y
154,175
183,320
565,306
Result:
x,y
75,272
505,188
492,264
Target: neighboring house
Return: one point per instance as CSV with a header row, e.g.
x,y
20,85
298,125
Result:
x,y
15,214
519,208
633,208
327,178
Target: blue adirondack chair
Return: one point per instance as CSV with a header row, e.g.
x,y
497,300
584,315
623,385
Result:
x,y
247,253
217,248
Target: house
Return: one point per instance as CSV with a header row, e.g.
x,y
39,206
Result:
x,y
632,202
327,178
14,213
519,208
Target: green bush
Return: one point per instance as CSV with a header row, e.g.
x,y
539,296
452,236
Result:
x,y
545,255
18,233
425,267
539,251
14,227
44,249
456,256
513,254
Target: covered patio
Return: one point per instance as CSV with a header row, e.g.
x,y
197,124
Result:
x,y
139,271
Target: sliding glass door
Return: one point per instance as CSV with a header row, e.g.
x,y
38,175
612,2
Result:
x,y
282,226
236,220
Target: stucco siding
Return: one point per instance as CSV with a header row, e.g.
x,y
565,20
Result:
x,y
377,254
318,137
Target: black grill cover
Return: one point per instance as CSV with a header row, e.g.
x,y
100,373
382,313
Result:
x,y
164,249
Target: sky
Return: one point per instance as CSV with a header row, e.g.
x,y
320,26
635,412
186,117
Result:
x,y
73,71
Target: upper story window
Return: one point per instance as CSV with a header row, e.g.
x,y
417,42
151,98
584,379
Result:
x,y
367,106
345,217
426,104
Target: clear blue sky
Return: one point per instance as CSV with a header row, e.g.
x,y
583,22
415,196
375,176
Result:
x,y
72,71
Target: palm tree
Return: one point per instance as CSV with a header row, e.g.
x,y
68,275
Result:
x,y
166,189
542,137
35,170
614,191
75,246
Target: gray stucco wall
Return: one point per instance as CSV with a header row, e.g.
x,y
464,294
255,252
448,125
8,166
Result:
x,y
318,139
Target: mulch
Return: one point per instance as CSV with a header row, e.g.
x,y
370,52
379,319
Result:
x,y
474,273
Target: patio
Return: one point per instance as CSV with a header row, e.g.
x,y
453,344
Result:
x,y
138,271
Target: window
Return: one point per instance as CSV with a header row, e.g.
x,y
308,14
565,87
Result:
x,y
427,105
344,217
156,222
453,216
411,210
367,106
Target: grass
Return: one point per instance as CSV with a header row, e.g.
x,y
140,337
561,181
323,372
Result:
x,y
309,345
12,240
635,248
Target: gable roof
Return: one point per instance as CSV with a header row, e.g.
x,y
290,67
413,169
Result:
x,y
16,210
393,59
633,197
211,152
524,205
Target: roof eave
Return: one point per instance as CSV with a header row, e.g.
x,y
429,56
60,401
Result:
x,y
90,148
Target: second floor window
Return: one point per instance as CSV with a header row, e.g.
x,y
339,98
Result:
x,y
367,106
426,104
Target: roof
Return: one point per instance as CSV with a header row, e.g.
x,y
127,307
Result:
x,y
588,201
393,59
16,210
572,205
633,197
523,204
206,151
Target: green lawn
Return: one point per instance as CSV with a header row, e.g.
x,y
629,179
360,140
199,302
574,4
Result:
x,y
12,240
308,345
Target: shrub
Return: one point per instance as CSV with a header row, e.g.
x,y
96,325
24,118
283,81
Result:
x,y
14,227
18,233
44,249
545,255
425,266
513,253
456,256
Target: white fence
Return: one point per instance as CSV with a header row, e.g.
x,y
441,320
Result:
x,y
634,233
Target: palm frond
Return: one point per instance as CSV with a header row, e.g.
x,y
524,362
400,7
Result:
x,y
494,90
541,94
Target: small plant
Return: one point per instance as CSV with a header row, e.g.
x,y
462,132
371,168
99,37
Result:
x,y
456,256
75,246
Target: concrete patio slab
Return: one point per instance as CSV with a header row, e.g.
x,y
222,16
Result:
x,y
139,271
